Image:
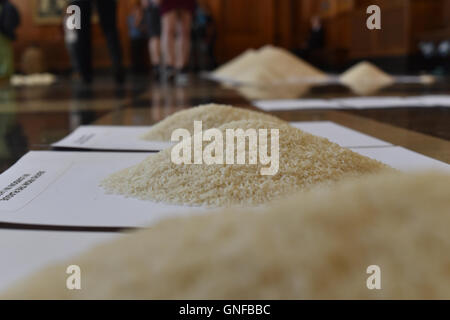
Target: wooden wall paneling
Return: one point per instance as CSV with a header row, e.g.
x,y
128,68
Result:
x,y
298,23
242,25
392,39
50,38
284,17
362,41
426,16
446,14
303,11
344,6
403,21
338,35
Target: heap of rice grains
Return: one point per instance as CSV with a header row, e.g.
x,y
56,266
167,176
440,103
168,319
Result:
x,y
211,115
267,66
304,161
365,78
316,245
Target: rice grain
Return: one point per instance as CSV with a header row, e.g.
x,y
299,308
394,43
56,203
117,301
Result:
x,y
212,116
304,161
316,245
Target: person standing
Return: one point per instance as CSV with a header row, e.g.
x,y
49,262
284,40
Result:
x,y
152,18
204,37
107,11
176,16
136,32
9,21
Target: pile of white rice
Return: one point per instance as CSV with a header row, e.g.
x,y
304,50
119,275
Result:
x,y
316,245
304,161
211,115
365,78
268,66
232,68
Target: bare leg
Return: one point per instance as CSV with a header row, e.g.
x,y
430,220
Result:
x,y
185,24
155,50
168,38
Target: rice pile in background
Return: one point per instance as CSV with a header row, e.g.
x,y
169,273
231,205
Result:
x,y
365,78
233,68
286,66
304,161
268,66
211,115
271,72
316,245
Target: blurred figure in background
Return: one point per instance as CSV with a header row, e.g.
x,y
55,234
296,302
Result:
x,y
315,42
107,13
316,38
138,41
152,18
204,38
70,39
176,20
9,21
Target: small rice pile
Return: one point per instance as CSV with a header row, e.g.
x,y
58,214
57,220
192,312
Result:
x,y
316,245
211,115
365,78
234,67
285,65
268,66
304,161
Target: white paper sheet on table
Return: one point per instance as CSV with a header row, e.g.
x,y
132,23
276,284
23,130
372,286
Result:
x,y
126,138
436,100
379,102
402,159
343,136
354,103
24,252
111,138
295,104
68,192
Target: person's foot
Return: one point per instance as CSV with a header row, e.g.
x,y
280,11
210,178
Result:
x,y
182,75
156,72
169,74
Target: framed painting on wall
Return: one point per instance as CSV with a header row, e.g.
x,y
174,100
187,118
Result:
x,y
51,12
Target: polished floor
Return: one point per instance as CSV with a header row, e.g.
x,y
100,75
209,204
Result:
x,y
31,118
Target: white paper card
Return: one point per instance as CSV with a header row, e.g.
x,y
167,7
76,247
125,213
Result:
x,y
75,197
402,159
343,136
126,138
23,187
295,104
355,103
377,102
24,252
436,100
111,138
